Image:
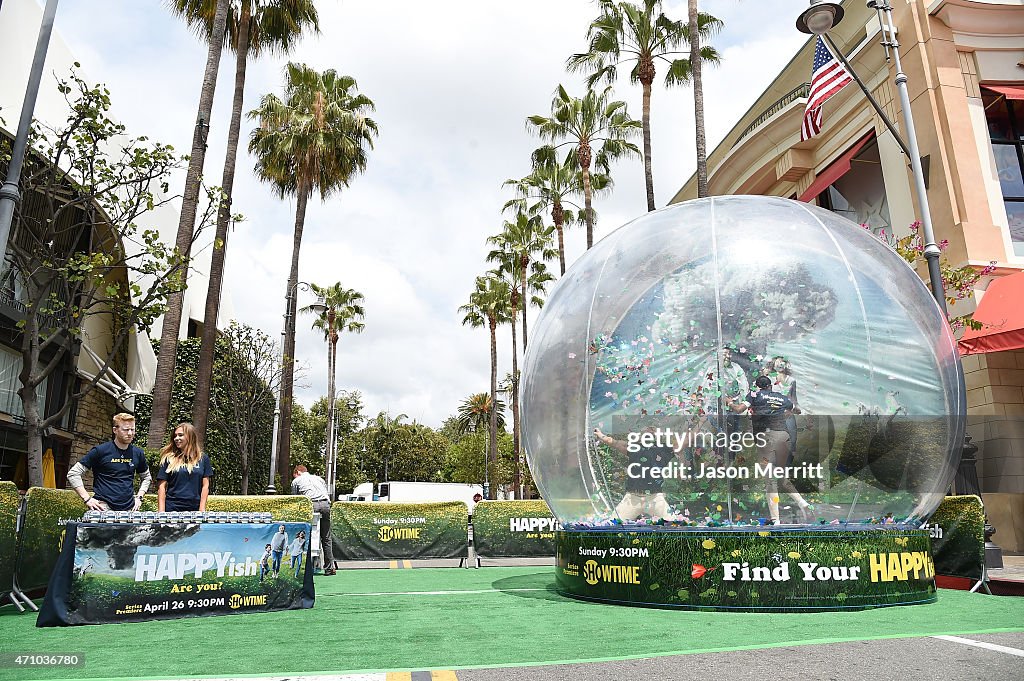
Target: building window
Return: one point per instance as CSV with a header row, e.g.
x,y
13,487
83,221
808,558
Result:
x,y
1005,118
859,194
10,369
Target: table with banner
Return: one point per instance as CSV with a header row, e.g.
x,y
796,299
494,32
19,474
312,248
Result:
x,y
122,572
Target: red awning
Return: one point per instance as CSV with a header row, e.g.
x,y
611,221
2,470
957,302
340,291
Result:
x,y
833,172
1001,311
1008,91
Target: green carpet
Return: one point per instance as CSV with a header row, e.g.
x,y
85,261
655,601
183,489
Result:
x,y
506,616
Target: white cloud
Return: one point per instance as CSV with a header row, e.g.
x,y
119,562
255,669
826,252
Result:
x,y
453,82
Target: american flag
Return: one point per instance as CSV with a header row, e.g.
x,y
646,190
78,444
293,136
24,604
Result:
x,y
827,78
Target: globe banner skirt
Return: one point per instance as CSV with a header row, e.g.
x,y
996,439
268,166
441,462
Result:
x,y
798,569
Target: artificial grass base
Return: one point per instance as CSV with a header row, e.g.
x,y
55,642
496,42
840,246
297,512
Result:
x,y
375,620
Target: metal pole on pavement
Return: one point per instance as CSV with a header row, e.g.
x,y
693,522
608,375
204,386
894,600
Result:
x,y
271,488
931,249
10,196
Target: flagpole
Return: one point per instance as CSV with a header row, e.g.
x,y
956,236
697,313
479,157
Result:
x,y
878,109
819,19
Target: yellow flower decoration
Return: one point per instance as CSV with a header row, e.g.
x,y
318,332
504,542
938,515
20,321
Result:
x,y
856,554
708,543
902,541
718,508
838,558
793,554
736,553
763,534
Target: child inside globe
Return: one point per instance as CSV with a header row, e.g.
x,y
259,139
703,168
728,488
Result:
x,y
643,491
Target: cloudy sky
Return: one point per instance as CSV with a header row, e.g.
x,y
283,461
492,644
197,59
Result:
x,y
453,82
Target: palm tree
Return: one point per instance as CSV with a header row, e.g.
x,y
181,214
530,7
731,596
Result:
x,y
186,227
551,186
343,312
254,27
641,34
474,414
696,77
585,122
488,305
521,243
315,139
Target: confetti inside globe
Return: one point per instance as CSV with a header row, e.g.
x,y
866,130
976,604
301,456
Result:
x,y
742,361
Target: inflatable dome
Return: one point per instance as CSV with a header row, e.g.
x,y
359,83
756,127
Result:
x,y
742,361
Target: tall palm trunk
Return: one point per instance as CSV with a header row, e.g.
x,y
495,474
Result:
x,y
516,479
207,350
492,445
588,192
186,227
698,101
558,217
523,264
645,82
284,440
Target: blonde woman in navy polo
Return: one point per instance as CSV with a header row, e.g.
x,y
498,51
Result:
x,y
183,481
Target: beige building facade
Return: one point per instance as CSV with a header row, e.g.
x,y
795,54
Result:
x,y
964,60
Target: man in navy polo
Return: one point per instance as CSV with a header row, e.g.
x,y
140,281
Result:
x,y
113,465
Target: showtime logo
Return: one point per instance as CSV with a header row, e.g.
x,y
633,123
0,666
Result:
x,y
593,572
386,533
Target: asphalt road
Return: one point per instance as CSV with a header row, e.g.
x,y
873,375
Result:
x,y
917,659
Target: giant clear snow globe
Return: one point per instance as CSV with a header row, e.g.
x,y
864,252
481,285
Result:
x,y
737,362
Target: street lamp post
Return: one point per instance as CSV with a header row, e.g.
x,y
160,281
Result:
x,y
319,307
10,196
818,19
331,444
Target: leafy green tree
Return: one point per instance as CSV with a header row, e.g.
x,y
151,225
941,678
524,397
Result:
x,y
402,451
464,460
639,34
309,438
254,27
248,375
221,445
315,139
83,270
186,228
584,122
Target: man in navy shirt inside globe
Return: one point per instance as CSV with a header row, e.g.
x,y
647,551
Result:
x,y
113,465
769,410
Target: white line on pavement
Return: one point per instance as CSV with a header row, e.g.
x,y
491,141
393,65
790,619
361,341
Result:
x,y
319,677
982,644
